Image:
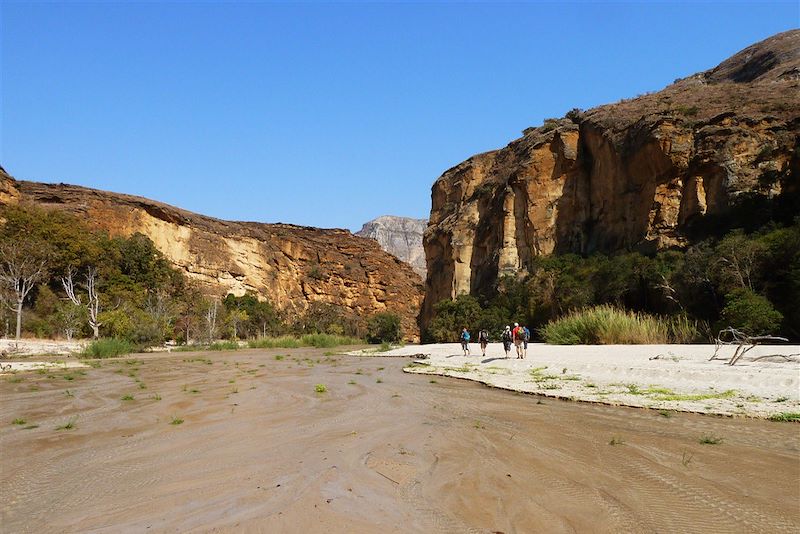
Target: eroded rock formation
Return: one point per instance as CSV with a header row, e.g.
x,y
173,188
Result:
x,y
642,174
401,236
292,266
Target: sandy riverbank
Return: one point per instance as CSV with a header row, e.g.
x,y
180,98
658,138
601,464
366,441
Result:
x,y
664,377
259,450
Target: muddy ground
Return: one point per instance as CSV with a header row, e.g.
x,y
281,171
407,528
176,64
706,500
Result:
x,y
259,449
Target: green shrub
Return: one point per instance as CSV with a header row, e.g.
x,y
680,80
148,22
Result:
x,y
108,348
750,313
384,327
608,325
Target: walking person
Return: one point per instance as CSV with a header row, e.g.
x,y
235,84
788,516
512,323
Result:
x,y
518,334
506,337
483,338
525,341
465,341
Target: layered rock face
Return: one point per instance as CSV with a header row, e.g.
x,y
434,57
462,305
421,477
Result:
x,y
641,174
292,266
401,236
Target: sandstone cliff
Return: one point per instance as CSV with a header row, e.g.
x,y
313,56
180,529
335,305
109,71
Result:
x,y
401,236
292,266
643,174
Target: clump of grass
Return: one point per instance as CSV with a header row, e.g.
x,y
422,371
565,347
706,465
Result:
x,y
321,341
107,348
665,413
15,379
432,381
385,347
608,325
709,439
379,381
478,425
156,396
176,420
785,416
69,425
224,345
279,357
69,393
127,398
352,382
782,399
696,396
616,441
18,421
320,388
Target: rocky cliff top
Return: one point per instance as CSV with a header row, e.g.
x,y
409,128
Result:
x,y
401,236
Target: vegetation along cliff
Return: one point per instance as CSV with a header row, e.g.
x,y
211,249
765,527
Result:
x,y
301,271
660,172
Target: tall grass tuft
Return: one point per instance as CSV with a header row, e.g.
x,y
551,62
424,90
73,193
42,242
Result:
x,y
107,348
224,345
308,340
608,325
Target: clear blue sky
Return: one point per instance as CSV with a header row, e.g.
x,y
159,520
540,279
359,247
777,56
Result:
x,y
324,114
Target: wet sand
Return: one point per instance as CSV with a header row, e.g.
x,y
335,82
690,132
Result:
x,y
380,451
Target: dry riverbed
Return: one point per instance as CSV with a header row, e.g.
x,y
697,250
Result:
x,y
300,441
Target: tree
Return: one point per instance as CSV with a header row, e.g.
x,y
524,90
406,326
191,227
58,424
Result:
x,y
384,327
93,297
22,265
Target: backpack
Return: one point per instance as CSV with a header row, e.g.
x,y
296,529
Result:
x,y
527,335
506,335
520,334
483,335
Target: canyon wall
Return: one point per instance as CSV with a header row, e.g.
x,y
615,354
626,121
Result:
x,y
292,266
400,236
647,174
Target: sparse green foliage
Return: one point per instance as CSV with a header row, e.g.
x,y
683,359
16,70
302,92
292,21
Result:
x,y
107,348
18,421
785,416
176,420
384,327
709,439
616,441
320,388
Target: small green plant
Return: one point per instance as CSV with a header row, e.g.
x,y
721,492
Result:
x,y
616,441
709,439
176,420
352,382
665,413
432,381
69,425
69,393
478,425
156,397
194,390
782,399
127,397
379,381
633,389
107,348
785,416
320,388
279,357
18,421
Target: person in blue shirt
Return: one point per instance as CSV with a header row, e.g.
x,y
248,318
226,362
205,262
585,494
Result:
x,y
465,341
525,341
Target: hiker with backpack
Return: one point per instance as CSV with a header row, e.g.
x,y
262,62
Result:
x,y
525,341
465,341
519,335
483,338
507,337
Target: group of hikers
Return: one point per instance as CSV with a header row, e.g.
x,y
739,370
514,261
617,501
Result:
x,y
519,336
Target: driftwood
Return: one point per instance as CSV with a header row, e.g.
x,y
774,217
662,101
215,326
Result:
x,y
731,336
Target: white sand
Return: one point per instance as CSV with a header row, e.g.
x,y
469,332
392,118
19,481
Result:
x,y
16,367
25,347
632,375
